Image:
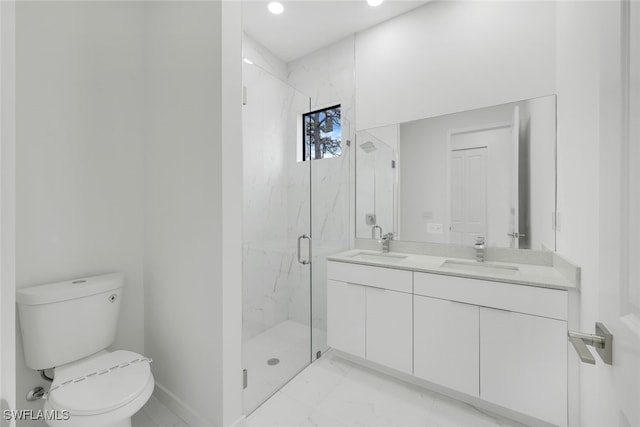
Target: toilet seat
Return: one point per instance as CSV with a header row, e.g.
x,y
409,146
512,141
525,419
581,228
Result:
x,y
99,384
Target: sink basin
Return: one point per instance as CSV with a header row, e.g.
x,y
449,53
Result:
x,y
480,267
365,256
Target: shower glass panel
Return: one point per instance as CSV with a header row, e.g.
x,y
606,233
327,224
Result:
x,y
329,226
276,244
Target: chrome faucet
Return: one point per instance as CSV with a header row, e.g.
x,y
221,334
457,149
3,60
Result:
x,y
385,242
373,231
480,247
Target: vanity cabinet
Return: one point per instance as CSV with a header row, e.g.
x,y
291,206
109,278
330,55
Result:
x,y
520,338
446,343
502,343
370,315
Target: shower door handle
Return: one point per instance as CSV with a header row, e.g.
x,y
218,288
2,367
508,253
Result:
x,y
300,260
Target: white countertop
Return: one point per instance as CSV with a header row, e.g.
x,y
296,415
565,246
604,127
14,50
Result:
x,y
527,274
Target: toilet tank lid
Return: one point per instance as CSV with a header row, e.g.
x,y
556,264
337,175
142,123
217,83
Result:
x,y
69,289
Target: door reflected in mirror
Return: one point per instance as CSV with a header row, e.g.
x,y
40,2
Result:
x,y
489,172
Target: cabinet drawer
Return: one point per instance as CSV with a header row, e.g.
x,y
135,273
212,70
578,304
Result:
x,y
380,277
543,302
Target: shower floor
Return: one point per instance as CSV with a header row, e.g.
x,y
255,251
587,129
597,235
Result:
x,y
289,343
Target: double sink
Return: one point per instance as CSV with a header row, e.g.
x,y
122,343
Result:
x,y
470,267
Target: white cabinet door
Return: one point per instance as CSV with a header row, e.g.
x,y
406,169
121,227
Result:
x,y
346,317
389,329
523,363
446,343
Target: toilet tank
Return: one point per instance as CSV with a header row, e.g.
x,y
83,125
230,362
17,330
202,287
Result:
x,y
66,321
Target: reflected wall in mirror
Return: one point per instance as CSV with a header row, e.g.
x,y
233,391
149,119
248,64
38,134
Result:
x,y
489,172
376,191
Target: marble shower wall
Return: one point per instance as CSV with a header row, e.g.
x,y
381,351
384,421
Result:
x,y
279,189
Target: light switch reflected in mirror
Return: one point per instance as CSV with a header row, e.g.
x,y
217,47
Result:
x,y
488,172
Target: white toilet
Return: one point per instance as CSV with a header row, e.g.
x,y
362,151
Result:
x,y
67,326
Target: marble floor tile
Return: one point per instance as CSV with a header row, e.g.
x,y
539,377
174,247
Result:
x,y
318,380
334,392
155,414
141,419
368,398
280,411
320,419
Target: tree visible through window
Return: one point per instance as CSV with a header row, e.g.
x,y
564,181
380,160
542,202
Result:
x,y
322,134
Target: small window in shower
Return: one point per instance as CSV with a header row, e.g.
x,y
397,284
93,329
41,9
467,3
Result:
x,y
322,134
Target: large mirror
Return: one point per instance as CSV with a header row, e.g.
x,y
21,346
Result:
x,y
489,172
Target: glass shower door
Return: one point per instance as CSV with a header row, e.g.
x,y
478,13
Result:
x,y
330,180
276,243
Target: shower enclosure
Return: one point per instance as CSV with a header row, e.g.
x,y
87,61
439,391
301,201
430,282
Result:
x,y
296,211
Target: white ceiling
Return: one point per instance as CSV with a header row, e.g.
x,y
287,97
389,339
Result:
x,y
307,25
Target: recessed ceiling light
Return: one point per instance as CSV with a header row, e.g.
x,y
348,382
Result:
x,y
374,3
277,8
248,61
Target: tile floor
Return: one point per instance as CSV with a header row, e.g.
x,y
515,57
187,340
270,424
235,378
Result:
x,y
336,392
155,414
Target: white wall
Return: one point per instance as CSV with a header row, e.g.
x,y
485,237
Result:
x,y
454,56
79,194
7,209
183,229
589,190
578,63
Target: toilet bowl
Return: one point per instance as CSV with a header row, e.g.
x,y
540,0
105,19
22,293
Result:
x,y
105,389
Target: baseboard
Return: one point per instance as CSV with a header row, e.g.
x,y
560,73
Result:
x,y
179,407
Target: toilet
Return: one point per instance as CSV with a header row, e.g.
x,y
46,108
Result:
x,y
67,327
